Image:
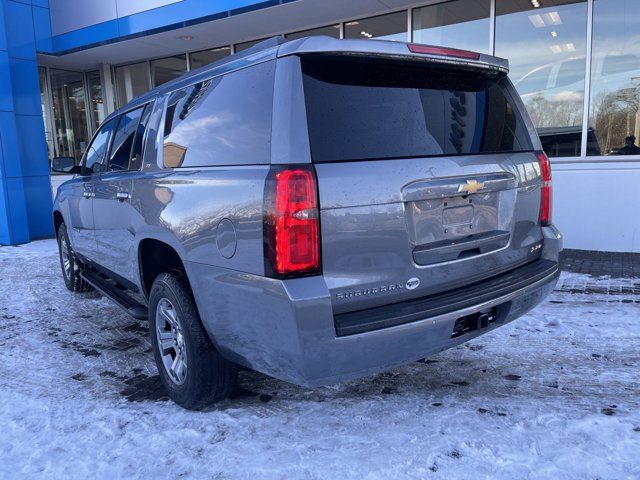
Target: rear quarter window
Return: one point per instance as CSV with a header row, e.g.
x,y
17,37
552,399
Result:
x,y
363,109
225,120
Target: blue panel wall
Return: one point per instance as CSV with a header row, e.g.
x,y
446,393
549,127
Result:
x,y
167,17
25,191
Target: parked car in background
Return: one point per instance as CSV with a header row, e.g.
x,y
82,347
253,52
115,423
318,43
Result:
x,y
317,210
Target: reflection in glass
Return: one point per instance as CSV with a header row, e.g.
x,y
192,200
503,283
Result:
x,y
165,69
69,113
221,121
205,57
122,143
44,105
615,78
131,81
96,159
460,24
97,103
546,50
330,31
392,26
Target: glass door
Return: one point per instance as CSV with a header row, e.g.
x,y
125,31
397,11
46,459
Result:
x,y
69,113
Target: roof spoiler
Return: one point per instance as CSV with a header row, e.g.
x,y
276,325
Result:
x,y
391,49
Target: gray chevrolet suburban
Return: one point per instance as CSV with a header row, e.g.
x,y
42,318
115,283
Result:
x,y
317,210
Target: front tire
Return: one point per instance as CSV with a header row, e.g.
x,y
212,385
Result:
x,y
69,263
192,371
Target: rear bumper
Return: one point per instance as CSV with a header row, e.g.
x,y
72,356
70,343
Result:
x,y
288,330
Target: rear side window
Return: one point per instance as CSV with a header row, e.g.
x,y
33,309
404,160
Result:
x,y
221,121
364,110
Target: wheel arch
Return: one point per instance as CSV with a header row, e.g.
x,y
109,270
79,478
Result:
x,y
154,257
58,220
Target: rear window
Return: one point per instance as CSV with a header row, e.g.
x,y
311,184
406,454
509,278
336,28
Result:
x,y
363,110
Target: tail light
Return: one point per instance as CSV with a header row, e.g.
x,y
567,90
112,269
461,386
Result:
x,y
448,52
292,225
546,191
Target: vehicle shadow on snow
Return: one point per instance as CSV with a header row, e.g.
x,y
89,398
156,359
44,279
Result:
x,y
432,379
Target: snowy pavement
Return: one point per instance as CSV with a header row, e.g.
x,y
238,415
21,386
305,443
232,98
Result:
x,y
554,395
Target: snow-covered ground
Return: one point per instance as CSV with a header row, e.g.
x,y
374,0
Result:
x,y
554,395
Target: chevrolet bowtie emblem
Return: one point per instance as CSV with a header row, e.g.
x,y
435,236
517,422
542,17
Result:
x,y
472,186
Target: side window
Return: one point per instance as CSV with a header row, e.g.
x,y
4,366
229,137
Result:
x,y
221,121
123,140
95,159
138,143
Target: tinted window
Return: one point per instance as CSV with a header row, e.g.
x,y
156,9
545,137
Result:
x,y
123,140
138,144
365,110
96,157
221,121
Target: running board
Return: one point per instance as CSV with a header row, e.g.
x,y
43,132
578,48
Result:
x,y
124,301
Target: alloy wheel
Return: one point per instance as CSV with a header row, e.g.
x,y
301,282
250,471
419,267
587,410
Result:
x,y
171,342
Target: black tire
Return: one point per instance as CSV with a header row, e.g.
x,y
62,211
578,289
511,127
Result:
x,y
209,377
71,274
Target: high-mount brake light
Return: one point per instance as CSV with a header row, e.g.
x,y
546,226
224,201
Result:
x,y
447,52
292,229
546,192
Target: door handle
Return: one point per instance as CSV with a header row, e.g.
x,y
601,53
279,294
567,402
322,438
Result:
x,y
88,194
122,196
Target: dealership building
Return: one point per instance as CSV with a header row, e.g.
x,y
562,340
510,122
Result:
x,y
66,64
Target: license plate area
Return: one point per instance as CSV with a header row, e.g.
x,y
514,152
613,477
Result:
x,y
451,218
450,228
444,211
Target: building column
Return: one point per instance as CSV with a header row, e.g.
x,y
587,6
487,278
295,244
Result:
x,y
108,90
25,189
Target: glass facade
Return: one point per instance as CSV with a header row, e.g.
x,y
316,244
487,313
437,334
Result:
x,y
461,24
205,57
243,46
546,48
69,113
614,110
131,81
330,31
546,42
392,26
165,69
46,109
94,85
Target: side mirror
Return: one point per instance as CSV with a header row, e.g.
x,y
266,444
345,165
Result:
x,y
64,165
